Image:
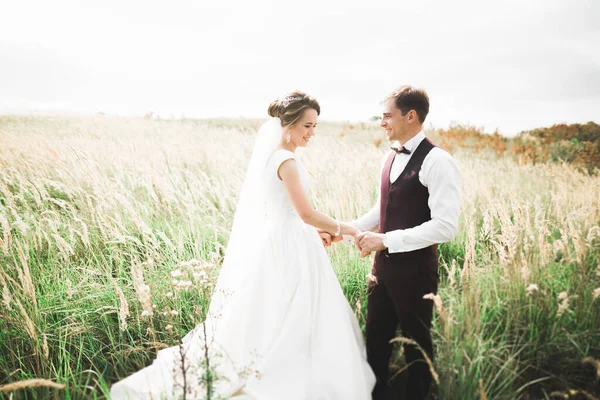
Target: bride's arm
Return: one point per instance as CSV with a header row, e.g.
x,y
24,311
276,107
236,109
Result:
x,y
291,180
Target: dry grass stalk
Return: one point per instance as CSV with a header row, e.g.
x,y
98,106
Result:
x,y
30,383
84,234
5,241
358,309
439,306
25,275
482,394
64,248
6,296
452,274
7,195
123,308
411,342
142,290
45,347
469,262
29,326
564,305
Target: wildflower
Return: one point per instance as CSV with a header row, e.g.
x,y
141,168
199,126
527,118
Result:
x,y
174,312
184,284
564,298
531,288
176,273
169,294
169,327
199,275
145,313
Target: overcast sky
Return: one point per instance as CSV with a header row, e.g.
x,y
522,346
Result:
x,y
511,65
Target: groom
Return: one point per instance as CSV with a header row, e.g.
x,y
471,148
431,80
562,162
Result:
x,y
417,208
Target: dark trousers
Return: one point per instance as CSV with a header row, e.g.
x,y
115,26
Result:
x,y
387,308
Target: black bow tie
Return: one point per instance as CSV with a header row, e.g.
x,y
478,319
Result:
x,y
403,150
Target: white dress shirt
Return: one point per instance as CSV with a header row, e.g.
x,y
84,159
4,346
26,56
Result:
x,y
440,175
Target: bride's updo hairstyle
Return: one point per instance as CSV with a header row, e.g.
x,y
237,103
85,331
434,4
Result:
x,y
291,107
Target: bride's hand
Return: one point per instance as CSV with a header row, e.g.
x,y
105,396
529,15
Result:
x,y
325,238
329,237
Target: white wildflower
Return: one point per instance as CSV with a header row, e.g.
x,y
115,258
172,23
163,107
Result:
x,y
176,273
562,296
531,288
564,299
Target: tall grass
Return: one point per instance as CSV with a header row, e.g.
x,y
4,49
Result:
x,y
112,231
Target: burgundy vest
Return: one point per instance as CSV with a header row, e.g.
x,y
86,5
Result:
x,y
404,204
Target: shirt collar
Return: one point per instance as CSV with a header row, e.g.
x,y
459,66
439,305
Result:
x,y
413,142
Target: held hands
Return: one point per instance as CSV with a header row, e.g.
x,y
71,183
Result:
x,y
368,242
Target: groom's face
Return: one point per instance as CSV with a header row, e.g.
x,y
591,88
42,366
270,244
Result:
x,y
392,120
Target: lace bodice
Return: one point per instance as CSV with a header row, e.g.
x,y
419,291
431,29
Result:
x,y
278,205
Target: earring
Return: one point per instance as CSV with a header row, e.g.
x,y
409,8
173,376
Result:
x,y
288,137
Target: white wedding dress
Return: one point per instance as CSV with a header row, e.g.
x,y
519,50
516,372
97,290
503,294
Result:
x,y
286,332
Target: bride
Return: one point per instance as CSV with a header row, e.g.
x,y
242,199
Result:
x,y
278,325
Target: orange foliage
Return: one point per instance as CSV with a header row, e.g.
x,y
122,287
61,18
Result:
x,y
577,144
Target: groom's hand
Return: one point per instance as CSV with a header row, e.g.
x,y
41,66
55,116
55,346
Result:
x,y
370,241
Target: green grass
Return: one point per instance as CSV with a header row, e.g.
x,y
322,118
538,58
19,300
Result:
x,y
83,201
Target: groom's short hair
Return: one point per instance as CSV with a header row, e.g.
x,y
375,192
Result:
x,y
409,98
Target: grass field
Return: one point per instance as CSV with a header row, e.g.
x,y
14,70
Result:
x,y
96,214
